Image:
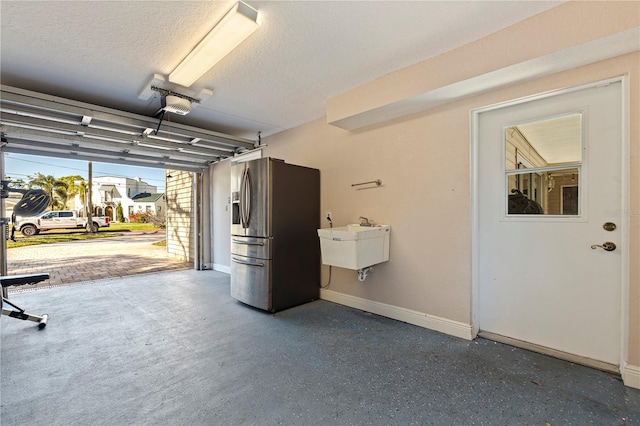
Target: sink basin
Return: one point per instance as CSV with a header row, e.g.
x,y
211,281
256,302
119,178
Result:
x,y
354,246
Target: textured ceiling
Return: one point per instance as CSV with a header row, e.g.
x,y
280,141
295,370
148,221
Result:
x,y
103,52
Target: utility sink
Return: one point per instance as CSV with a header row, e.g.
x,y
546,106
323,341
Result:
x,y
354,246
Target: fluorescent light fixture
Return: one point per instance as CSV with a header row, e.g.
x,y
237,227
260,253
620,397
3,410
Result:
x,y
238,24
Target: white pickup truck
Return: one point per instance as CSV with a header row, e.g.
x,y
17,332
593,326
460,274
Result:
x,y
56,219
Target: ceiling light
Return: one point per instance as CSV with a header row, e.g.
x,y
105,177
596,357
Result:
x,y
176,105
229,32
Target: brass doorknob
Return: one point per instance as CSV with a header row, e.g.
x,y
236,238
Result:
x,y
608,246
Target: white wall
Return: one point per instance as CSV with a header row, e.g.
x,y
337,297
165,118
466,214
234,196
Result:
x,y
423,161
221,220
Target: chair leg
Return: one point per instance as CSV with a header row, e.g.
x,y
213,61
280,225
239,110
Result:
x,y
19,313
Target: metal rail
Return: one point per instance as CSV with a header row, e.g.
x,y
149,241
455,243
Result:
x,y
378,182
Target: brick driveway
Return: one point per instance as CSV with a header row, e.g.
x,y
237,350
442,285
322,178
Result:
x,y
130,253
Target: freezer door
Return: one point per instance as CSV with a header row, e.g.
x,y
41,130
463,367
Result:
x,y
259,248
251,281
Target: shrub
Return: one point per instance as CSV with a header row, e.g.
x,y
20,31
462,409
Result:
x,y
119,213
141,217
159,221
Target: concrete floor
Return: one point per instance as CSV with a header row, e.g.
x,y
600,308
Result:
x,y
173,348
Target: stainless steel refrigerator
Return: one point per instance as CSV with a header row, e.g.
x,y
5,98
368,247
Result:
x,y
275,251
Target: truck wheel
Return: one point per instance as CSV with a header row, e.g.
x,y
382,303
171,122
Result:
x,y
29,230
95,228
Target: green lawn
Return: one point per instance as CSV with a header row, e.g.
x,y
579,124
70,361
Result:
x,y
55,237
65,235
126,226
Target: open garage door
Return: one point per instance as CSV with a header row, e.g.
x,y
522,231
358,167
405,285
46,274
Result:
x,y
39,124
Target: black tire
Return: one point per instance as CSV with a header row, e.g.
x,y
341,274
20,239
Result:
x,y
96,227
29,230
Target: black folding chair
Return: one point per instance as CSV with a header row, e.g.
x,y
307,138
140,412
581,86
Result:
x,y
18,312
33,202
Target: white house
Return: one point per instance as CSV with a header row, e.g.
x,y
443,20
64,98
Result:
x,y
147,202
134,195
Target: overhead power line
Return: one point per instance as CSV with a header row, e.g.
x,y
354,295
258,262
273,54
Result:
x,y
8,173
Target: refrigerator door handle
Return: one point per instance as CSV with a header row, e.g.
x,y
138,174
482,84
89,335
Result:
x,y
249,243
247,200
242,200
242,262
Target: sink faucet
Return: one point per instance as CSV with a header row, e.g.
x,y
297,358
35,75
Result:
x,y
364,221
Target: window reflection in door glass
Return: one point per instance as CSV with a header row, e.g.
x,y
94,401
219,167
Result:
x,y
543,161
552,192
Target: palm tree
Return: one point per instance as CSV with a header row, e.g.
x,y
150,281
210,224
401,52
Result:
x,y
76,185
17,183
56,188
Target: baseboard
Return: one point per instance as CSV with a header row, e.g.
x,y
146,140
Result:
x,y
443,325
631,376
576,359
222,268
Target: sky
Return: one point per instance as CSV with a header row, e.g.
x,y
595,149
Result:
x,y
20,166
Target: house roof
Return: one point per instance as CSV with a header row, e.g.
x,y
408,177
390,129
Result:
x,y
146,197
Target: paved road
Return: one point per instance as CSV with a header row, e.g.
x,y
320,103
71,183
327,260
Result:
x,y
77,261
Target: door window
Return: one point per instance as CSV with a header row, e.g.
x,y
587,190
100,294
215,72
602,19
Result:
x,y
543,165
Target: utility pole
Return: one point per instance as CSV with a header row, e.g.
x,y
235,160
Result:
x,y
89,202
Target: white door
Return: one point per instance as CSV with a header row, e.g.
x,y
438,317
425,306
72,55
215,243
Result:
x,y
549,183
